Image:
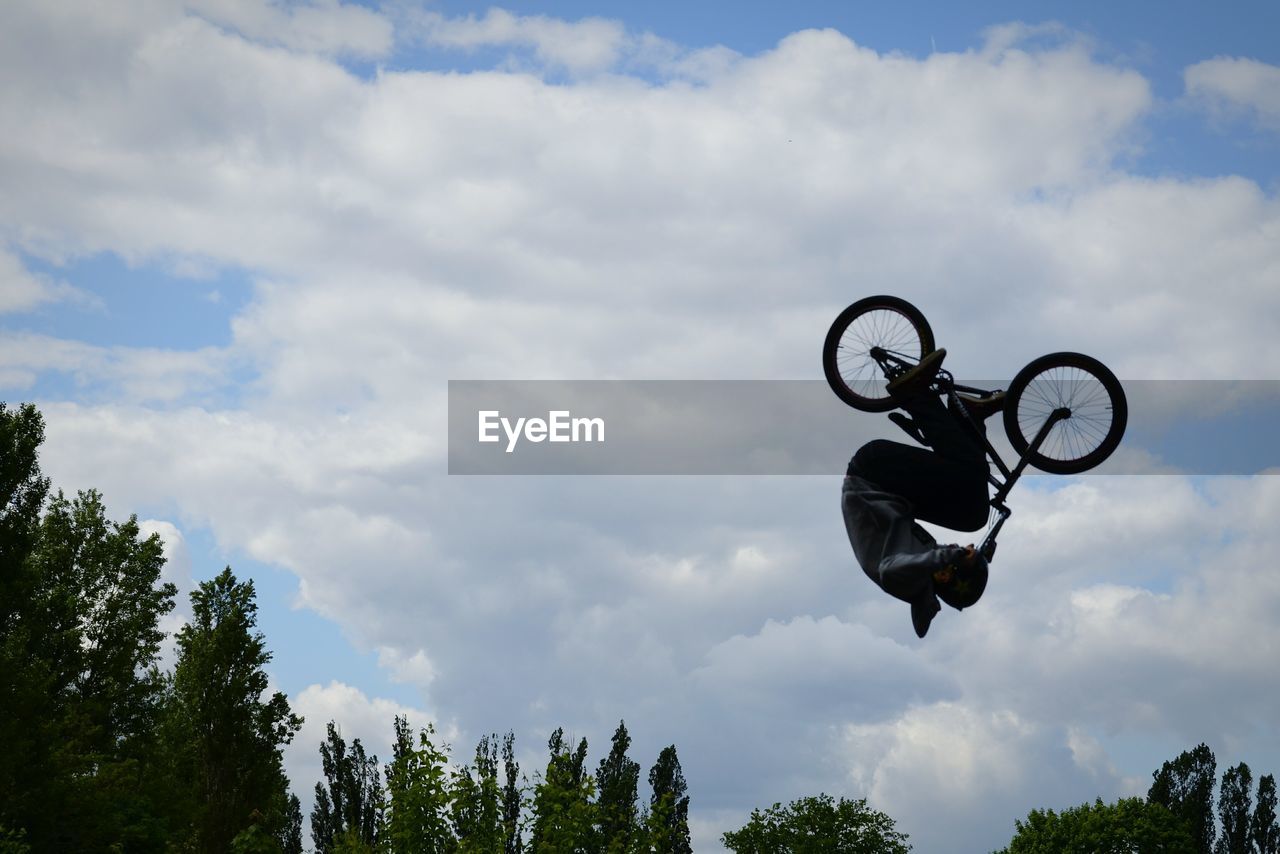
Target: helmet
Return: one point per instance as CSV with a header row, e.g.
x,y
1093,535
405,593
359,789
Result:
x,y
966,584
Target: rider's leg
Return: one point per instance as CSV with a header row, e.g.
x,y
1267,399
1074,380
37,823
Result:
x,y
950,436
951,493
947,486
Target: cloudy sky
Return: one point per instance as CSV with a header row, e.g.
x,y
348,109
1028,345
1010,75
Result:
x,y
245,244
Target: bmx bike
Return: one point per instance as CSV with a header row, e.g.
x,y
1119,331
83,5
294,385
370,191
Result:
x,y
1064,413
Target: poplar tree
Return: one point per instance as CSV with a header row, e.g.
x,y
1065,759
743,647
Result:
x,y
1184,786
668,806
1263,830
418,790
1234,809
349,805
476,802
512,798
617,779
562,813
225,732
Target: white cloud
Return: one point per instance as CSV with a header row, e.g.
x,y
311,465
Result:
x,y
591,44
1239,85
356,716
955,777
22,290
177,571
317,26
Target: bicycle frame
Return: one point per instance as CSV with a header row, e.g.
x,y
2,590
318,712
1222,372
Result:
x,y
944,383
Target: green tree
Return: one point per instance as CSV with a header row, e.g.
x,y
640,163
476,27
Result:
x,y
476,802
1263,830
512,798
350,802
562,812
1129,826
291,835
668,805
617,778
1184,786
818,825
23,679
22,493
79,640
1235,806
418,790
225,734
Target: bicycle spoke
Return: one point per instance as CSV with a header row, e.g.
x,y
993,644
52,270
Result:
x,y
1079,392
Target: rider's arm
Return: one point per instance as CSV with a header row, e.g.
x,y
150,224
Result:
x,y
892,549
909,574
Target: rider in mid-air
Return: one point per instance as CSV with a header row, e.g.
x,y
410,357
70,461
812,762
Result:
x,y
889,485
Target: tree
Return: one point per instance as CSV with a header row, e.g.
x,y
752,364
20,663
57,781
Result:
x,y
477,802
22,687
225,734
617,779
351,805
291,836
79,642
668,805
418,811
512,798
818,825
562,813
1184,786
1263,830
1129,825
1234,809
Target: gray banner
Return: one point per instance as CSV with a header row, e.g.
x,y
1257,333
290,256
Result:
x,y
789,427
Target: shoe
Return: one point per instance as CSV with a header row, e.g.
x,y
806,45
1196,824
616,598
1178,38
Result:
x,y
982,407
919,377
923,610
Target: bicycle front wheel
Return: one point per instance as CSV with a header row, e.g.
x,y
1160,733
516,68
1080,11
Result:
x,y
887,322
1087,390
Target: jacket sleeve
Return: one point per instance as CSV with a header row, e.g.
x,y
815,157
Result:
x,y
908,575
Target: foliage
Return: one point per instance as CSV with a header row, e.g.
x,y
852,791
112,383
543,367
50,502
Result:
x,y
818,825
668,805
563,817
1184,786
1128,825
1263,831
418,791
617,777
512,798
80,604
351,804
226,738
476,802
1234,808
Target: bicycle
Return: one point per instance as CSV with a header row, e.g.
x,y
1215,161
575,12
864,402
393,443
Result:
x,y
1064,413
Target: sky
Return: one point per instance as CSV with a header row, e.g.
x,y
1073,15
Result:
x,y
245,245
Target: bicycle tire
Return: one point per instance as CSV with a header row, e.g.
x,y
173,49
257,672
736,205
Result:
x,y
879,321
1081,384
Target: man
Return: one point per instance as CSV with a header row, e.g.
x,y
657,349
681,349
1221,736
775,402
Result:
x,y
889,485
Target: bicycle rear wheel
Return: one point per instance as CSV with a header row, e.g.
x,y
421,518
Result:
x,y
1083,386
890,323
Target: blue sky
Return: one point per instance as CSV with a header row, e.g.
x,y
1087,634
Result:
x,y
245,245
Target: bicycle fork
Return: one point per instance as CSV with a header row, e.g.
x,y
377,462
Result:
x,y
988,548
